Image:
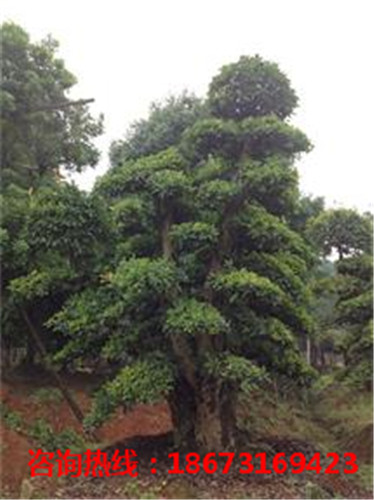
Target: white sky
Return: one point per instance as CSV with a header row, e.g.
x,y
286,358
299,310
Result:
x,y
129,53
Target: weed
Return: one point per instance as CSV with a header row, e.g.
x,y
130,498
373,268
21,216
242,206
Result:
x,y
11,419
47,395
49,440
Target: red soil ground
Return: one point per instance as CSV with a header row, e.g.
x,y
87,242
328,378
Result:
x,y
18,396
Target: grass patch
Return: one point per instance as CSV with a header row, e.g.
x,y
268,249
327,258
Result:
x,y
47,395
11,419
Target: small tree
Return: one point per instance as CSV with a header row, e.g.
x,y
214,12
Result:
x,y
208,293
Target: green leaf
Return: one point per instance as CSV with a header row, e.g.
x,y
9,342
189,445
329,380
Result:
x,y
191,317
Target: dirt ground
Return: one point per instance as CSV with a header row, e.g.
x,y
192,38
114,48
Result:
x,y
146,429
18,395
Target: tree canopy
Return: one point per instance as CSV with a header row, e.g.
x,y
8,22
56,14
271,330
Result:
x,y
164,127
191,270
42,129
207,295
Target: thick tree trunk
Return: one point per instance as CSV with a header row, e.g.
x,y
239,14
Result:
x,y
209,430
203,420
215,418
202,408
183,410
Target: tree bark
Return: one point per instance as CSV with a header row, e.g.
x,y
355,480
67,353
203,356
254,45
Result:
x,y
39,344
183,410
202,407
215,418
165,236
30,352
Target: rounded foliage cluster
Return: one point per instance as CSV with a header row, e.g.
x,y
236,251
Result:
x,y
251,87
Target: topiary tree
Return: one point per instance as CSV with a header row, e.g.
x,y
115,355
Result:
x,y
354,313
350,234
207,295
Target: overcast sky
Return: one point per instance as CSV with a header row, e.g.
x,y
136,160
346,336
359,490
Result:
x,y
128,53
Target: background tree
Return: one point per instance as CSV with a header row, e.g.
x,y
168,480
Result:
x,y
164,127
306,208
207,293
351,235
54,242
50,232
42,129
343,230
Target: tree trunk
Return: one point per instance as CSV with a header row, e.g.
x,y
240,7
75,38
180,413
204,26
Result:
x,y
165,236
183,410
202,408
308,351
204,420
40,346
215,418
30,352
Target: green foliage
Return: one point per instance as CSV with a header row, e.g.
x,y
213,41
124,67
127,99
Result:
x,y
241,288
11,419
305,209
87,320
70,222
164,127
350,235
211,136
50,441
354,311
38,284
145,381
47,395
251,87
206,288
216,194
40,130
191,317
131,214
168,184
256,229
342,230
143,279
198,237
57,241
269,136
273,184
134,176
246,285
359,266
236,370
277,269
